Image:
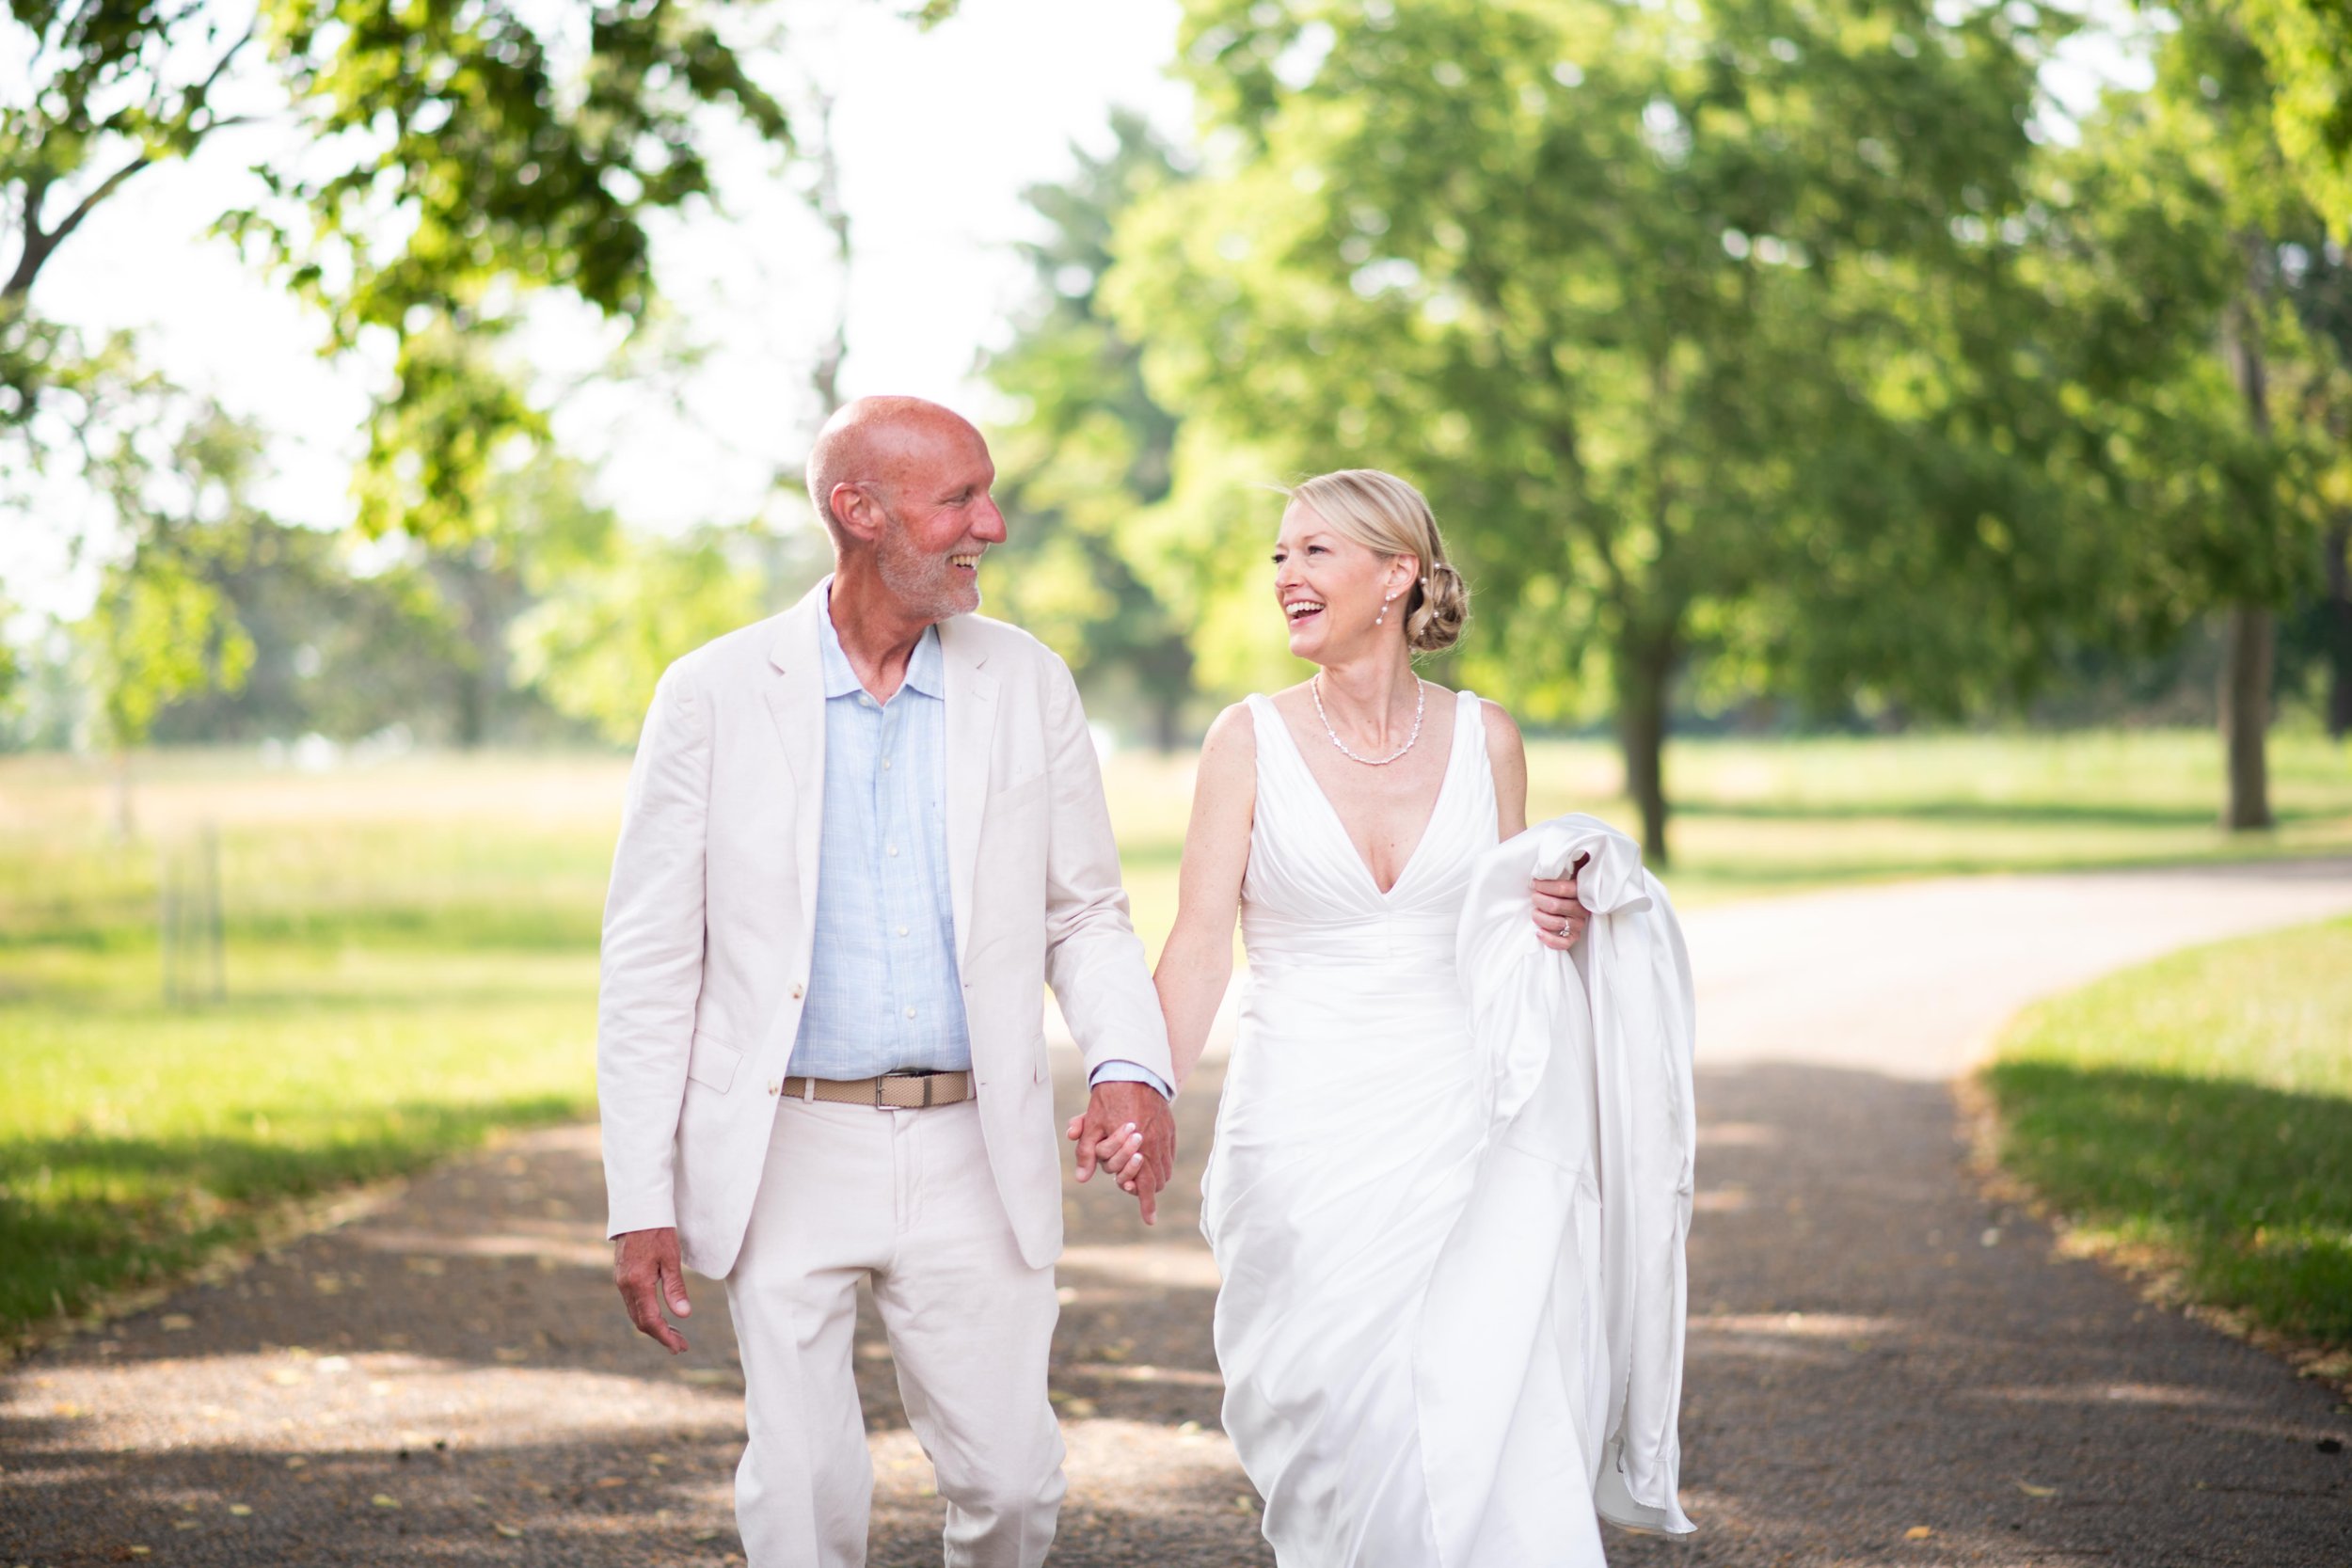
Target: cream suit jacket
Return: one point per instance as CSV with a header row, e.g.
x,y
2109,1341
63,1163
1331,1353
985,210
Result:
x,y
710,921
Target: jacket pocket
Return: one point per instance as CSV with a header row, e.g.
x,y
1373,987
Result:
x,y
712,1062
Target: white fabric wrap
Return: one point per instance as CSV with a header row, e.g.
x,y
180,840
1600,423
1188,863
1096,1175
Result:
x,y
1568,1263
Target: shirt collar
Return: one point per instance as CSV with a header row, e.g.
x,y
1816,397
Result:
x,y
927,668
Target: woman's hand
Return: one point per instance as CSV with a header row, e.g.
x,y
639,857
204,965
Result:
x,y
1560,920
1120,1154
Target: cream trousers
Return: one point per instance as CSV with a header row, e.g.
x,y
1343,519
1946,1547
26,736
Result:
x,y
903,1198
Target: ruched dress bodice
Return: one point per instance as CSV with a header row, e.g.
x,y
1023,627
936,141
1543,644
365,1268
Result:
x,y
1308,900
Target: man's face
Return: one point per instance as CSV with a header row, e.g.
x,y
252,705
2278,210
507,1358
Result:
x,y
938,520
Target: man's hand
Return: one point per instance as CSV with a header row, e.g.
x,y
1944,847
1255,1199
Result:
x,y
1128,1131
646,1267
1560,920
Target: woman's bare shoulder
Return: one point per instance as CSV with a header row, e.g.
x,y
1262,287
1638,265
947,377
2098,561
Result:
x,y
1502,731
1232,744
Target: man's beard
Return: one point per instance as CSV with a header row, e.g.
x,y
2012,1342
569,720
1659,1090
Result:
x,y
925,584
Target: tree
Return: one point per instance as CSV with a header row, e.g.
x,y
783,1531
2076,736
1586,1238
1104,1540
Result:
x,y
1092,449
598,640
162,629
2205,145
458,155
2307,50
1704,327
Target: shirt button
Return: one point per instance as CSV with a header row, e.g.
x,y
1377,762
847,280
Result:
x,y
902,930
864,700
894,851
886,765
910,1012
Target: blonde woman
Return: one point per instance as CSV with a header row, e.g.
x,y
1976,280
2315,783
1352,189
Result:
x,y
1341,819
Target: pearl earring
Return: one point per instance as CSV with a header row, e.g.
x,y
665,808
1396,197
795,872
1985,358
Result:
x,y
1384,609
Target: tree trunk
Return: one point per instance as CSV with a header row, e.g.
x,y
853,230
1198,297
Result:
x,y
2248,644
473,708
2338,612
126,825
1642,675
2249,638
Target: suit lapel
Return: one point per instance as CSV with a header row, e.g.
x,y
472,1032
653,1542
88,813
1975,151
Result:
x,y
796,701
971,728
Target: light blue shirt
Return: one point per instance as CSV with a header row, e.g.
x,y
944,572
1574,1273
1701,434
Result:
x,y
883,989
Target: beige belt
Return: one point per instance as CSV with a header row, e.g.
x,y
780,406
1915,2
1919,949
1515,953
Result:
x,y
891,1091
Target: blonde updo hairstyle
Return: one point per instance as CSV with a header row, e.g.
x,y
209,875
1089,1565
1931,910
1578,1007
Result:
x,y
1388,516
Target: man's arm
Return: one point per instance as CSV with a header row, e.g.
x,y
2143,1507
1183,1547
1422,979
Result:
x,y
651,974
1093,959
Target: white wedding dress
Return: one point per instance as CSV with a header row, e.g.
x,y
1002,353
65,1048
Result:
x,y
1349,1139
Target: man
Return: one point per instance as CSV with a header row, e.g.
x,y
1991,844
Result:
x,y
857,835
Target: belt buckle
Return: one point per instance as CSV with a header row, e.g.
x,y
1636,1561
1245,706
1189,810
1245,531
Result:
x,y
883,1079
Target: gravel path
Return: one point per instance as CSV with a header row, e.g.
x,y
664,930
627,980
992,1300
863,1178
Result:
x,y
1875,1351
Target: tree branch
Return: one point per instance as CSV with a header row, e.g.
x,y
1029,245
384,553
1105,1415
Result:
x,y
39,247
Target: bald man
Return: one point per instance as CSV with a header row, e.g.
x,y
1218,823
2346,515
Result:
x,y
858,837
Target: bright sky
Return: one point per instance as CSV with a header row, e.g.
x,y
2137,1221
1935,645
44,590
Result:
x,y
938,134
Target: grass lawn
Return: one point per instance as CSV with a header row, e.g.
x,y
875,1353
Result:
x,y
410,960
411,946
2194,1117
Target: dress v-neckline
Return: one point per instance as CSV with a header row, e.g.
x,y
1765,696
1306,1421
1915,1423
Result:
x,y
1339,824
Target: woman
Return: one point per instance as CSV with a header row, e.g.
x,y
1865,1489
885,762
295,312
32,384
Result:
x,y
1341,818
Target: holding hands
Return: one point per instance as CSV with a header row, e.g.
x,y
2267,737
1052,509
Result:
x,y
1127,1132
1560,919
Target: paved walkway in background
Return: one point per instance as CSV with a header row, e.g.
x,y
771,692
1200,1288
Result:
x,y
1874,1351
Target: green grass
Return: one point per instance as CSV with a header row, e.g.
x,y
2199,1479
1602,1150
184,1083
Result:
x,y
2195,1116
411,946
410,960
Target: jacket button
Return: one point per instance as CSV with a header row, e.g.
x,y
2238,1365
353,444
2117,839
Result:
x,y
775,1085
796,990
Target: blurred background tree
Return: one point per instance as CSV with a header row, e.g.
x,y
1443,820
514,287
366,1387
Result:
x,y
2228,349
460,155
1769,364
1703,326
1091,451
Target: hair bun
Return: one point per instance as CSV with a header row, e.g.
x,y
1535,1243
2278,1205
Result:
x,y
1443,605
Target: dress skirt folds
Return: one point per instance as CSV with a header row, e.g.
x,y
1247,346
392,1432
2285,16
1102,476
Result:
x,y
1413,1378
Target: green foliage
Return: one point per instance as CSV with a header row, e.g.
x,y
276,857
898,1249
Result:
x,y
2307,47
1092,449
162,628
2196,1115
598,641
1703,328
458,155
503,158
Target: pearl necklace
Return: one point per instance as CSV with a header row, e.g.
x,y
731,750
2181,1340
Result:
x,y
1420,705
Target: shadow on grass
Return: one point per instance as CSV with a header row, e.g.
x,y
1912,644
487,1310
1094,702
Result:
x,y
88,1212
2250,1188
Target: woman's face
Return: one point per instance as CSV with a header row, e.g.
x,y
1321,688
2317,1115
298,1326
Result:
x,y
1330,588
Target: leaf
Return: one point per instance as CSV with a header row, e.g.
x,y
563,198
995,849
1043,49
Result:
x,y
2030,1490
1917,1532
